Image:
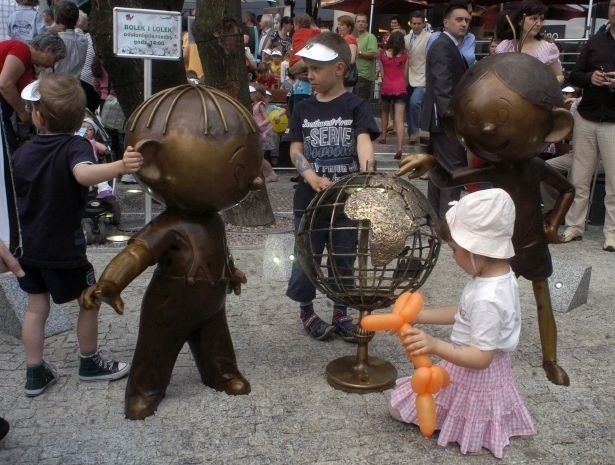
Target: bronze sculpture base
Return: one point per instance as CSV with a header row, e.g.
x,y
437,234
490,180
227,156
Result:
x,y
350,375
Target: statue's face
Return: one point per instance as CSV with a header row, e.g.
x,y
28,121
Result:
x,y
194,173
497,124
201,150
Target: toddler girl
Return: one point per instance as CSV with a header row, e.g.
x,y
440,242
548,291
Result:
x,y
481,407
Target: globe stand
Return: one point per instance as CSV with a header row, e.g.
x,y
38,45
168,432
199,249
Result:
x,y
396,249
361,374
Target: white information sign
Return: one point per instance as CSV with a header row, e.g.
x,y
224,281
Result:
x,y
154,34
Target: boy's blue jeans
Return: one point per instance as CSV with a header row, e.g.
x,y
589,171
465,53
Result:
x,y
344,242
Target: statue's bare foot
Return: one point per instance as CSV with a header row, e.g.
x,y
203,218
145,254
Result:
x,y
138,407
235,385
555,373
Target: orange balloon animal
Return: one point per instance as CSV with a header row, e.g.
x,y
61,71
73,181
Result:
x,y
427,378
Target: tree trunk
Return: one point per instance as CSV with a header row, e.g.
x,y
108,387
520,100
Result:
x,y
126,74
219,38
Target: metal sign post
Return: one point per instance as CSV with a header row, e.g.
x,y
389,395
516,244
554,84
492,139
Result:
x,y
151,35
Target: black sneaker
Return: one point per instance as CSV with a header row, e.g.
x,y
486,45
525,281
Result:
x,y
101,367
39,378
4,428
345,328
317,328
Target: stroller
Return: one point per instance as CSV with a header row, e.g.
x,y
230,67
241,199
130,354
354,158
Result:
x,y
102,208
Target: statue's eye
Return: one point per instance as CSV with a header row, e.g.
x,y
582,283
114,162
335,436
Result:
x,y
472,118
503,115
503,110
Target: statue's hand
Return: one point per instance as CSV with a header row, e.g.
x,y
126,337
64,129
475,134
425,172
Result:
x,y
103,291
416,165
237,279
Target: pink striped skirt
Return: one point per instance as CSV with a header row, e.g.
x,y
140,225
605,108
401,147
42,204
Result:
x,y
480,408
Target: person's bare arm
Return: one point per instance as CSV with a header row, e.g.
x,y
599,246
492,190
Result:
x,y
8,262
318,183
12,70
365,152
437,316
420,343
91,174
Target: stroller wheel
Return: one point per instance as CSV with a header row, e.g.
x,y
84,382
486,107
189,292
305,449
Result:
x,y
88,230
116,212
101,236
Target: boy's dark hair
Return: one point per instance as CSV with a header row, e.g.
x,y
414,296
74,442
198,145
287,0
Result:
x,y
526,8
62,102
417,14
336,43
455,6
66,13
396,18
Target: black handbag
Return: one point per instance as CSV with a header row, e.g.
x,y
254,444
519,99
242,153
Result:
x,y
352,75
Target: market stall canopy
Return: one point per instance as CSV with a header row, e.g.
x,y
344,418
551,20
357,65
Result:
x,y
371,7
375,6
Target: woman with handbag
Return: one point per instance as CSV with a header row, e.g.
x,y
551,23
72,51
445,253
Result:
x,y
345,26
394,74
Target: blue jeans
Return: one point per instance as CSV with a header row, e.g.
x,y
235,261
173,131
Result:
x,y
415,105
342,242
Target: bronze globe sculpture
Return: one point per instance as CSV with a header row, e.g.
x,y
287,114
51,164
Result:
x,y
396,249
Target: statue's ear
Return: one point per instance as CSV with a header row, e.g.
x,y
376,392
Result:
x,y
148,149
562,125
448,124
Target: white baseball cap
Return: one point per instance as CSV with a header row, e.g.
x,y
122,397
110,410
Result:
x,y
252,89
317,52
31,92
568,89
483,223
276,53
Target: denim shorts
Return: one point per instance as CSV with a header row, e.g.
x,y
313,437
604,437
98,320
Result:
x,y
64,285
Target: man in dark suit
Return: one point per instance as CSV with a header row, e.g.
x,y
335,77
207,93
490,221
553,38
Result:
x,y
445,66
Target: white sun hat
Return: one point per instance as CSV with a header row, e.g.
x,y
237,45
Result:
x,y
317,52
483,223
568,89
276,53
31,92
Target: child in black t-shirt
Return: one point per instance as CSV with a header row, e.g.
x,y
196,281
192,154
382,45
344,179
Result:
x,y
331,135
52,172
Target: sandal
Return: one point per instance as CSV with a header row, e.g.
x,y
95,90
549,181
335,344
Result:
x,y
317,328
397,155
345,329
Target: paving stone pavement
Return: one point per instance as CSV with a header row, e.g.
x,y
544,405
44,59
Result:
x,y
292,416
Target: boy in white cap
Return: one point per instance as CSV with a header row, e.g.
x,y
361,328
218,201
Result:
x,y
330,136
486,326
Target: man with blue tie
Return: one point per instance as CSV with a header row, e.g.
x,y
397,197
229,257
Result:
x,y
445,66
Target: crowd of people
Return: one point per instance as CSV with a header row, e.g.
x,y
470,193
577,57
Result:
x,y
32,40
330,79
